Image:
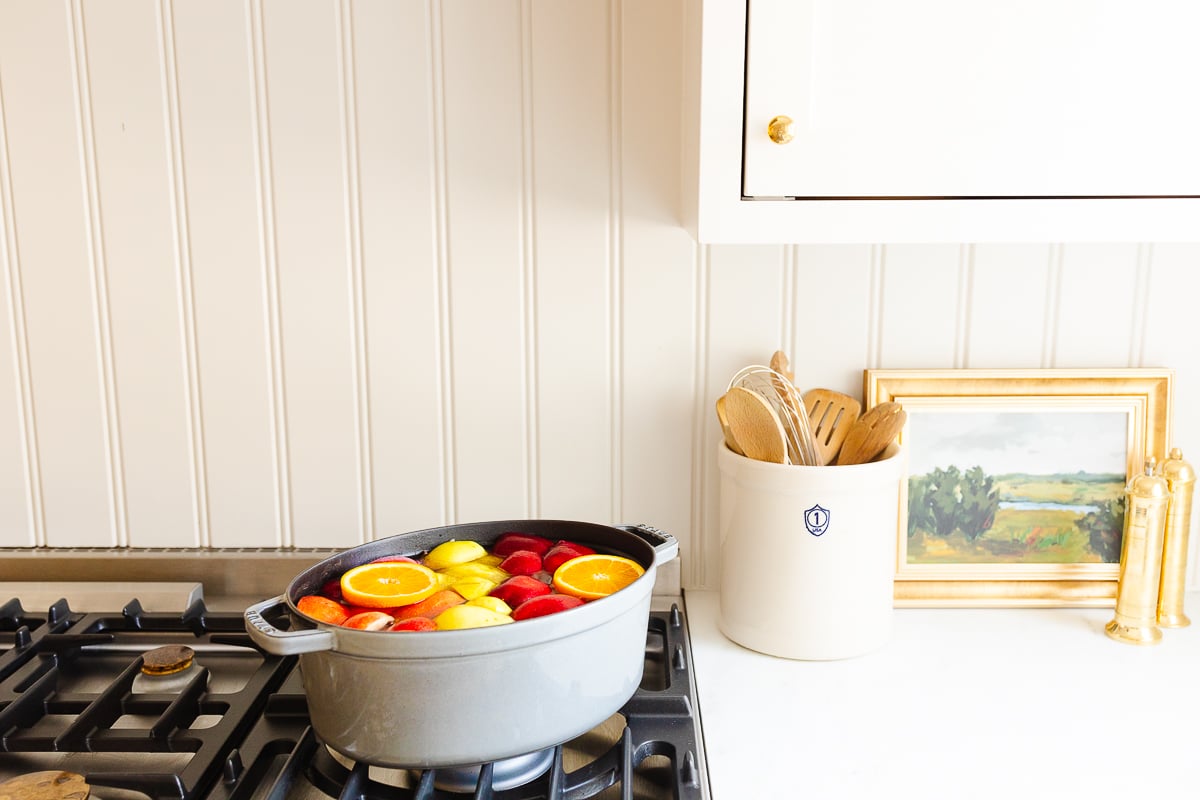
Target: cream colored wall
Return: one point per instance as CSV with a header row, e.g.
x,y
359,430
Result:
x,y
313,272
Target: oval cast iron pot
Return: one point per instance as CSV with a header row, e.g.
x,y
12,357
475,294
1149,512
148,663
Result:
x,y
455,698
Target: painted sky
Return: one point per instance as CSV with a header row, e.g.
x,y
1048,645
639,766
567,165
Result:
x,y
1037,442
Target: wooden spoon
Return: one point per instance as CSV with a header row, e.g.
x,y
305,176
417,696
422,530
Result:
x,y
779,363
723,418
872,433
755,426
830,415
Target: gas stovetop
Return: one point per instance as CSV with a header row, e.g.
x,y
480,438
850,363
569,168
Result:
x,y
130,703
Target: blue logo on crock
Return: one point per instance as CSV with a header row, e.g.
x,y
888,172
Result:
x,y
816,519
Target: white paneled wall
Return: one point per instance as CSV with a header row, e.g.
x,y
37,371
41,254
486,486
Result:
x,y
312,272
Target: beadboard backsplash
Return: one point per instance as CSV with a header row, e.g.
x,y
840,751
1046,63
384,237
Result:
x,y
310,272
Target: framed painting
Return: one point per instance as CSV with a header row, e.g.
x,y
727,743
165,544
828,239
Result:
x,y
1016,480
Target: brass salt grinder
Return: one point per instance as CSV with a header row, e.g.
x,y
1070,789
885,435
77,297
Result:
x,y
1181,481
1146,501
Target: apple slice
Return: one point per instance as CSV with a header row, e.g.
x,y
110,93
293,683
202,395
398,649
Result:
x,y
369,621
545,604
518,589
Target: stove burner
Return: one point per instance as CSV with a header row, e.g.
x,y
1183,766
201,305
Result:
x,y
505,774
169,669
167,660
49,785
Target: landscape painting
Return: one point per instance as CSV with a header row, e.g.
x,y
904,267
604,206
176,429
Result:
x,y
1016,486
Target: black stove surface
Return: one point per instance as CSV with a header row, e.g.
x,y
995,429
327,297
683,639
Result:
x,y
234,726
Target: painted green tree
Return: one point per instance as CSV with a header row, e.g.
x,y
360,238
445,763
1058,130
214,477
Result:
x,y
979,504
920,517
944,499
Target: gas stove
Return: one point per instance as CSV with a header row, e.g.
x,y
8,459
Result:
x,y
125,701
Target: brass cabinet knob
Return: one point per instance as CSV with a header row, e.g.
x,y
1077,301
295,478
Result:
x,y
777,129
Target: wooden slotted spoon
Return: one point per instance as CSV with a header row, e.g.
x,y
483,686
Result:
x,y
755,426
830,415
872,433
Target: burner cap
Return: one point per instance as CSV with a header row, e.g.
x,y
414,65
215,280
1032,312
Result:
x,y
166,660
51,785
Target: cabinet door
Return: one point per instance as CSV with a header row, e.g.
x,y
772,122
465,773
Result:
x,y
972,99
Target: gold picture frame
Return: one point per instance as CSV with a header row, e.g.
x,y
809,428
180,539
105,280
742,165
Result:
x,y
1046,433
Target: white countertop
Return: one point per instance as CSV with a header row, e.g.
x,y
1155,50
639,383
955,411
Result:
x,y
961,703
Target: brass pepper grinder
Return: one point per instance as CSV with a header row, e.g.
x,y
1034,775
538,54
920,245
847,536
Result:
x,y
1146,501
1181,481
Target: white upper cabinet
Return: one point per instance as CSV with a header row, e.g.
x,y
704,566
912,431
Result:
x,y
943,120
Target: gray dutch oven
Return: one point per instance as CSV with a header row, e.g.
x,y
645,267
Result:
x,y
463,697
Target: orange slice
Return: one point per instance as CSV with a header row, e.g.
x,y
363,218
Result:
x,y
594,576
387,584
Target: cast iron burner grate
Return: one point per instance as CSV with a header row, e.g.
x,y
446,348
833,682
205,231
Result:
x,y
235,726
69,696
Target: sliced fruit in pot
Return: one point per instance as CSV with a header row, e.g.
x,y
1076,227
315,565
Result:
x,y
492,604
466,616
470,588
322,609
386,559
562,552
522,562
597,575
431,606
352,610
453,552
369,621
518,589
475,569
546,604
511,542
388,584
415,624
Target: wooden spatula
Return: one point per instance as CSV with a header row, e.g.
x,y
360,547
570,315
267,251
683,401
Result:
x,y
872,433
723,418
779,363
830,415
755,426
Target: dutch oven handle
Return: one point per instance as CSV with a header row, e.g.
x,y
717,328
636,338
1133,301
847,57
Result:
x,y
666,547
283,643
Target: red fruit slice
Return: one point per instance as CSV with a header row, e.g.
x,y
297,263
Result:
x,y
562,552
431,606
394,558
519,588
511,542
415,624
352,610
522,562
322,609
546,604
369,621
333,589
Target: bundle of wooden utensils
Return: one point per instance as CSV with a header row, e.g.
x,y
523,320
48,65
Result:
x,y
765,417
